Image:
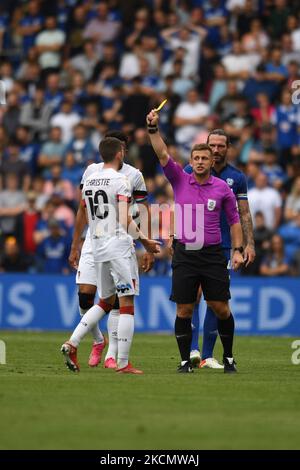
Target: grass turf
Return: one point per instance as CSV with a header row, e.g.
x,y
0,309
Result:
x,y
44,406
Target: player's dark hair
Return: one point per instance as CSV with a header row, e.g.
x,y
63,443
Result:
x,y
219,132
108,148
118,135
201,147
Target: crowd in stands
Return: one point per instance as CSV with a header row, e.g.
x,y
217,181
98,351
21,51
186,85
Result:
x,y
71,70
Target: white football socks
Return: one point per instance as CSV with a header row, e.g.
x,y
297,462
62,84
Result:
x,y
88,321
96,333
125,334
112,329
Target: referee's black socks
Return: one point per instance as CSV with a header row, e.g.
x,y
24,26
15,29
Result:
x,y
183,333
226,332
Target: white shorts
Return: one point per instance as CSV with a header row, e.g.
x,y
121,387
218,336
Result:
x,y
118,276
86,272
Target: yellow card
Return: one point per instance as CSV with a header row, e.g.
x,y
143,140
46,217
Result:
x,y
160,106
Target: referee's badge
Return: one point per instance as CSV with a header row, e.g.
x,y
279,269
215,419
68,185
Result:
x,y
211,204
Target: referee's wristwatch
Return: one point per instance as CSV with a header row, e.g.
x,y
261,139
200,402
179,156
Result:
x,y
240,249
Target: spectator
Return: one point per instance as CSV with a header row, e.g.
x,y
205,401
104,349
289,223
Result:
x,y
56,185
81,147
286,120
275,263
49,44
189,38
262,239
11,117
26,225
28,150
62,211
91,120
87,60
30,25
66,119
53,94
54,250
189,118
219,86
12,203
7,75
288,54
52,151
142,153
227,105
260,82
36,115
292,206
263,112
290,233
256,38
12,260
109,57
267,200
275,174
14,165
238,64
102,29
42,230
137,100
75,43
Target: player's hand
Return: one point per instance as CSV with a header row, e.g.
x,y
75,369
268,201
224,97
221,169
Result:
x,y
249,255
148,262
74,258
237,260
151,246
152,118
170,249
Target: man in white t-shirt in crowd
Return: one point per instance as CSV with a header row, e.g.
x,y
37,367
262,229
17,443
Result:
x,y
66,119
106,195
189,119
263,198
49,43
86,272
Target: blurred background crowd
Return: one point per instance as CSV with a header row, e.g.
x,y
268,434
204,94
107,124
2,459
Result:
x,y
74,69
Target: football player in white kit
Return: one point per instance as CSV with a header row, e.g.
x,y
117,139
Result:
x,y
106,196
86,273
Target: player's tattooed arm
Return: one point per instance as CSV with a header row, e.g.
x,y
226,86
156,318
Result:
x,y
247,227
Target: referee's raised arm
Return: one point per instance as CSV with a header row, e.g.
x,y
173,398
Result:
x,y
157,142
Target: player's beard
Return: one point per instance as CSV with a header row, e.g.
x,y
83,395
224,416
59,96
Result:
x,y
219,159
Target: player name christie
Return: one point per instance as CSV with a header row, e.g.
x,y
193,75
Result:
x,y
98,182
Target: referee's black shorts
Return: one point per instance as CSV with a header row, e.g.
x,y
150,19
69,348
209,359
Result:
x,y
191,268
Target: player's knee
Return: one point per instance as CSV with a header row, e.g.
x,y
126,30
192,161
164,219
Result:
x,y
185,311
86,301
221,309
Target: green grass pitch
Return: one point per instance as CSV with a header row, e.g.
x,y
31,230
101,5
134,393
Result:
x,y
44,406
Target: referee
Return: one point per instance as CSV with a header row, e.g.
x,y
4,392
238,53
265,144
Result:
x,y
192,266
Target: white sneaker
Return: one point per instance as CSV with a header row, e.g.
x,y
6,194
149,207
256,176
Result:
x,y
211,363
195,358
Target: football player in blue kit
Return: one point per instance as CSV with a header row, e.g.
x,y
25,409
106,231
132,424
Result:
x,y
236,180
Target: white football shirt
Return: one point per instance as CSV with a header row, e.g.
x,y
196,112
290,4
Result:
x,y
138,191
101,192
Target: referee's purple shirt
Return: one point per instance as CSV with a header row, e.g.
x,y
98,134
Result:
x,y
214,195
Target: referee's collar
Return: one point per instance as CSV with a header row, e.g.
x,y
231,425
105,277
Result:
x,y
194,181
